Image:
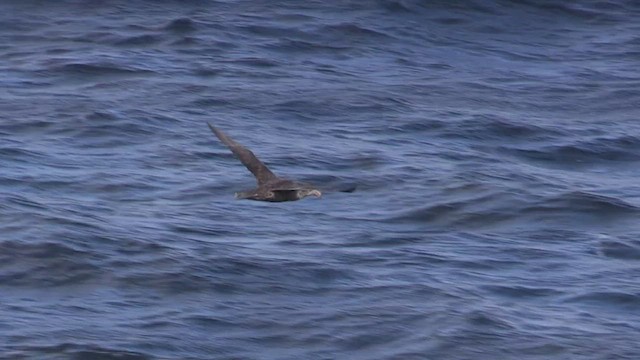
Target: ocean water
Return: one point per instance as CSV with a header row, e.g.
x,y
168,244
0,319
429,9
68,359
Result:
x,y
495,146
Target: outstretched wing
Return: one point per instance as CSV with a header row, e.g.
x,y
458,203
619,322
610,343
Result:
x,y
286,185
246,157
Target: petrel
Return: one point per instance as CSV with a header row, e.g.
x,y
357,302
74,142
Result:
x,y
270,187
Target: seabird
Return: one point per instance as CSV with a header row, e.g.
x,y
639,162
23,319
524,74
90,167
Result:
x,y
270,187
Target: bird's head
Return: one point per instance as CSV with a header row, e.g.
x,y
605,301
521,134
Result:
x,y
310,192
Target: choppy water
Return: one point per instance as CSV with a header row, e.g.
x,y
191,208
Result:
x,y
495,145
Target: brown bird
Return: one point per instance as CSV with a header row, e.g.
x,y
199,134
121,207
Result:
x,y
270,187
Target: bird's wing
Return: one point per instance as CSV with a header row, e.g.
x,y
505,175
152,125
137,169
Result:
x,y
287,185
246,157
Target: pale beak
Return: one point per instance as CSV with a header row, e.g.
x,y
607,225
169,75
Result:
x,y
315,193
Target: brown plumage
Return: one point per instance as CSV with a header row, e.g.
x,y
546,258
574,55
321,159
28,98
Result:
x,y
270,187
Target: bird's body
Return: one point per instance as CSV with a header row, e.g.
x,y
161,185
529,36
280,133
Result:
x,y
270,187
279,190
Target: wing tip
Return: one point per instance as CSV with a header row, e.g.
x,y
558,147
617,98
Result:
x,y
219,134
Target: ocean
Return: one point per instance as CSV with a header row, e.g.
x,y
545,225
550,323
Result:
x,y
494,147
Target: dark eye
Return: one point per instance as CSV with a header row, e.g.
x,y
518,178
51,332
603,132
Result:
x,y
270,194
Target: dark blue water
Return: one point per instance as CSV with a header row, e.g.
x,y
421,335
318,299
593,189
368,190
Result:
x,y
495,146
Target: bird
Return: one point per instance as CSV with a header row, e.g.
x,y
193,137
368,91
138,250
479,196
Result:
x,y
270,187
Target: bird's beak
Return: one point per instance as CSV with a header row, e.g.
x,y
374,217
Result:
x,y
243,195
315,193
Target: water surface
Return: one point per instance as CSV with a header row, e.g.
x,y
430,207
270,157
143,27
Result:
x,y
495,145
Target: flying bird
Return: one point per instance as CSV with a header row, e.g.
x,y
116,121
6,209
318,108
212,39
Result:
x,y
270,187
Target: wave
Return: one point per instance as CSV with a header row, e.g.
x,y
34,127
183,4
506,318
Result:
x,y
622,300
181,25
300,46
497,208
603,11
410,6
76,351
277,32
139,40
624,148
96,69
487,128
222,274
45,264
257,62
353,31
487,209
625,250
585,203
19,153
521,291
